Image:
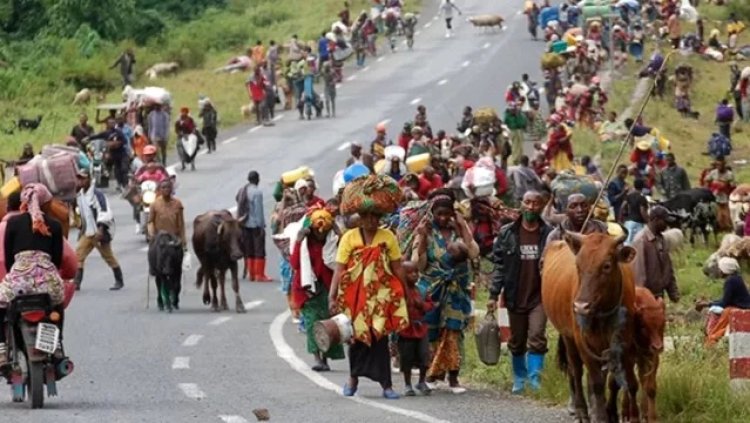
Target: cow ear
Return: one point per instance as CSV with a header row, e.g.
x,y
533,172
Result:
x,y
625,254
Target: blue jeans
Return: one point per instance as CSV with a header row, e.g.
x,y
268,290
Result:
x,y
633,228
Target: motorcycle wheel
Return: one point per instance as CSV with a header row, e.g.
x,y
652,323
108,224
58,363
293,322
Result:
x,y
36,384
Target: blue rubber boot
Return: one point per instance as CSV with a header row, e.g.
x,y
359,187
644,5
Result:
x,y
536,364
519,373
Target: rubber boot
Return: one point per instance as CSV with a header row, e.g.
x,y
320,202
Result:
x,y
260,271
118,279
250,264
536,364
79,278
519,373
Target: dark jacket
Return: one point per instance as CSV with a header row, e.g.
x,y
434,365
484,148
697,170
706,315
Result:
x,y
506,255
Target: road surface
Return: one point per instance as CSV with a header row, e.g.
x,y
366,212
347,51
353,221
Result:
x,y
139,365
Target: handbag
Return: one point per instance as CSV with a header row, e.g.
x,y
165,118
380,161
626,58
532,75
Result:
x,y
488,340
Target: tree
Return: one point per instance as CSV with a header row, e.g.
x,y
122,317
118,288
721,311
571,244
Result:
x,y
111,19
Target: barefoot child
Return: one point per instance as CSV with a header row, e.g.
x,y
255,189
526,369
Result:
x,y
413,346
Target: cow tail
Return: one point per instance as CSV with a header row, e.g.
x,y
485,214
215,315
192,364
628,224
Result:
x,y
199,278
562,355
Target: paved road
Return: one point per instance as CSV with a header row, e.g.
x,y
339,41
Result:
x,y
138,365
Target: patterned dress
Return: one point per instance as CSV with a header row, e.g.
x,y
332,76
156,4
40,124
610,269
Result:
x,y
32,273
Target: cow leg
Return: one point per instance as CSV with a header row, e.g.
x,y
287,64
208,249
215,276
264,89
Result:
x,y
575,373
214,298
159,300
647,375
222,282
631,413
597,381
614,391
239,304
201,277
164,290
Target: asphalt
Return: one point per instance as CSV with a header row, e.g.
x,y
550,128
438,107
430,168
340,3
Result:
x,y
135,364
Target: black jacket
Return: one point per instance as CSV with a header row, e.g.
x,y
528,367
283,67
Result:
x,y
506,255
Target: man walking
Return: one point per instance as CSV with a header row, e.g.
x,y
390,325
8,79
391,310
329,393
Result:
x,y
446,9
210,118
652,267
576,212
517,276
251,215
126,61
158,130
96,222
672,179
516,121
168,215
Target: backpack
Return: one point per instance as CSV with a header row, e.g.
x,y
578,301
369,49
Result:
x,y
719,145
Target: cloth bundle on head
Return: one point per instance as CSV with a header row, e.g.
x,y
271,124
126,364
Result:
x,y
33,197
728,265
378,194
320,219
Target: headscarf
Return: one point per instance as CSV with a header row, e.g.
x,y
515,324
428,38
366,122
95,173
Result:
x,y
33,197
320,218
728,265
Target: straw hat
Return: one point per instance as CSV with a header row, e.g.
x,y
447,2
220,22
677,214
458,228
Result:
x,y
643,145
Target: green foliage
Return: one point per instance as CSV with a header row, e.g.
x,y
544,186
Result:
x,y
109,18
180,9
741,8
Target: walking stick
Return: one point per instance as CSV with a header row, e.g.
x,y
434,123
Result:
x,y
148,290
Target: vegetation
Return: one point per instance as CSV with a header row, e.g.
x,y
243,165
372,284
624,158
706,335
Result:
x,y
49,50
693,380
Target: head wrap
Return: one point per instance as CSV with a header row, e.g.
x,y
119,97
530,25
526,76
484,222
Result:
x,y
728,265
33,197
321,219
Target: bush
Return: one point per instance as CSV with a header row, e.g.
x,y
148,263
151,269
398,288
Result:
x,y
187,50
741,8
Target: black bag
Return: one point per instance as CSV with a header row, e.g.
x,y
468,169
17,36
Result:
x,y
487,338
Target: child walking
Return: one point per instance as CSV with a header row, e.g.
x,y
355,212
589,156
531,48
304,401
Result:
x,y
413,345
329,80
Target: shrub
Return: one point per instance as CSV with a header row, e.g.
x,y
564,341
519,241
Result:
x,y
187,50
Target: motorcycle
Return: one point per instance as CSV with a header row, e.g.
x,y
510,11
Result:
x,y
99,172
148,195
36,358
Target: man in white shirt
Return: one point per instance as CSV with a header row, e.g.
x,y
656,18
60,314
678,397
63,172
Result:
x,y
446,9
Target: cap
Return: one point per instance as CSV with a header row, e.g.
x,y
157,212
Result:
x,y
301,183
380,128
661,212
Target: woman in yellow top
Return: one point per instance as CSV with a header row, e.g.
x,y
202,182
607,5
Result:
x,y
367,288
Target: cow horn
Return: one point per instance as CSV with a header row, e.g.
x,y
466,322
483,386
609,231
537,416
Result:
x,y
575,236
620,239
220,229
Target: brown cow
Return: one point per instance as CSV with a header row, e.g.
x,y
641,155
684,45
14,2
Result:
x,y
650,320
216,242
588,294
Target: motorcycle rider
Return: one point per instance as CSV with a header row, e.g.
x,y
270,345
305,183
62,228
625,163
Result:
x,y
97,220
151,169
117,147
33,254
185,126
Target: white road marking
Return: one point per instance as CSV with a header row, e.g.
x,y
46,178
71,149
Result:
x,y
435,18
286,353
384,122
192,340
338,85
253,129
172,168
344,146
365,69
418,32
229,140
181,363
486,45
278,117
415,101
144,249
428,24
232,210
442,82
518,13
380,59
232,419
191,390
466,64
351,78
252,304
219,320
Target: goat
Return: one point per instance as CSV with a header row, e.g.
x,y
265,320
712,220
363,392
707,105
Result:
x,y
28,124
82,97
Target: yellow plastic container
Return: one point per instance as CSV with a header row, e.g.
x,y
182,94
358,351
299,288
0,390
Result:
x,y
417,163
379,166
292,176
13,185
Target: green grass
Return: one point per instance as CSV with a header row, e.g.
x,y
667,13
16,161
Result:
x,y
250,21
693,380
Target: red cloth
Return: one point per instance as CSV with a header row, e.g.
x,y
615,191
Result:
x,y
404,140
559,140
426,186
321,271
501,184
257,88
416,306
639,157
185,125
